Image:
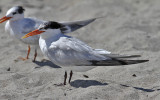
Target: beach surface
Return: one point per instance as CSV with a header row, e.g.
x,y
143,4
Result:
x,y
129,27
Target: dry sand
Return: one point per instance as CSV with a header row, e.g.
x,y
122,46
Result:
x,y
130,27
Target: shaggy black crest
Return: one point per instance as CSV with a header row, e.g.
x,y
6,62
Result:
x,y
52,25
20,9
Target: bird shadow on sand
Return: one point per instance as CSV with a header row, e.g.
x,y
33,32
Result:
x,y
45,63
140,88
86,83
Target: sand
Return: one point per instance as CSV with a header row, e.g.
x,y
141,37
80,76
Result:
x,y
129,27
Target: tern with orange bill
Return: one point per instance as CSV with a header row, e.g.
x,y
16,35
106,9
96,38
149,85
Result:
x,y
66,51
18,26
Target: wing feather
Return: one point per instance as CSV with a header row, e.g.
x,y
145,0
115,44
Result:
x,y
74,25
73,51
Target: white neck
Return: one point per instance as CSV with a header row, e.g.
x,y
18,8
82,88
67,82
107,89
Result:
x,y
50,33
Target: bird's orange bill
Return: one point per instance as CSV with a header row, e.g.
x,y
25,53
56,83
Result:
x,y
5,18
35,32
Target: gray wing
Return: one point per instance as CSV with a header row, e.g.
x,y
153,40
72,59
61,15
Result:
x,y
71,51
72,26
30,24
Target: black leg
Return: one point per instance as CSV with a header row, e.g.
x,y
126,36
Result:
x,y
35,55
71,73
65,77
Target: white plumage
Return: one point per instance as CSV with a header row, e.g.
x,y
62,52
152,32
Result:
x,y
23,26
18,26
67,51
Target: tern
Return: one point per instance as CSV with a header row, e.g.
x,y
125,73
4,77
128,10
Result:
x,y
18,26
64,50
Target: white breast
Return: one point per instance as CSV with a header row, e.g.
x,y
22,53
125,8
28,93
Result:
x,y
21,27
43,46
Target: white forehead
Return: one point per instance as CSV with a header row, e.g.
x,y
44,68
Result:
x,y
42,25
11,10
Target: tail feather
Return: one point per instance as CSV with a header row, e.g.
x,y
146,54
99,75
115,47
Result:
x,y
121,56
116,62
109,54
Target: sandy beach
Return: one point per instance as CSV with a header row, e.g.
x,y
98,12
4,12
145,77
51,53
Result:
x,y
129,27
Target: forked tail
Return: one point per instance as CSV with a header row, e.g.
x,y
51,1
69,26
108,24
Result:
x,y
116,62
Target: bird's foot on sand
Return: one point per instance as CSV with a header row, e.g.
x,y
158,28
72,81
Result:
x,y
60,84
23,59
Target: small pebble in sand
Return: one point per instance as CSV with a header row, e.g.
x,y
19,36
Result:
x,y
9,69
86,76
134,75
16,60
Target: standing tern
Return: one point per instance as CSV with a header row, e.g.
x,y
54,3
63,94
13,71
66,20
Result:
x,y
19,26
65,50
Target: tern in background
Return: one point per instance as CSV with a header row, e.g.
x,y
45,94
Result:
x,y
18,26
65,50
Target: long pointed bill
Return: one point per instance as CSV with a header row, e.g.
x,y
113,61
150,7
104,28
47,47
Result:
x,y
35,32
5,18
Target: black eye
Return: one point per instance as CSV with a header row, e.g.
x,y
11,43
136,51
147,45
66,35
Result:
x,y
14,13
40,28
